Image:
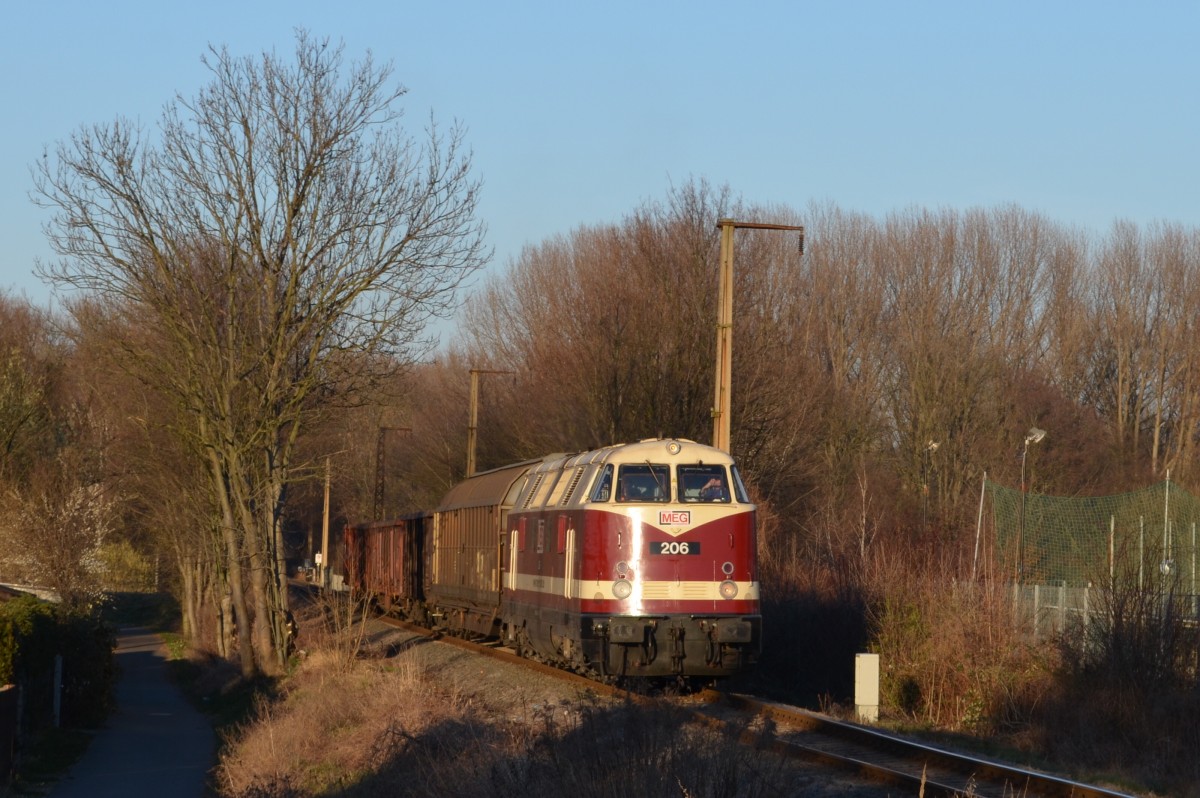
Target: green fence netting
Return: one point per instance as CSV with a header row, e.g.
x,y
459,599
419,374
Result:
x,y
1146,535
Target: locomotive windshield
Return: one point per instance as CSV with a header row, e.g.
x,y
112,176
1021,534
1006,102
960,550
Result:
x,y
703,483
647,482
643,482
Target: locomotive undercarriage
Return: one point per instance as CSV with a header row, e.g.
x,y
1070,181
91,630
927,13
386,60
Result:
x,y
672,645
614,647
604,647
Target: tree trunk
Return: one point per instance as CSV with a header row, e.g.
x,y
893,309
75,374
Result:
x,y
233,566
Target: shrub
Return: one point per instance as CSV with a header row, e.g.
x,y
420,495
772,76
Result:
x,y
950,655
1126,696
32,634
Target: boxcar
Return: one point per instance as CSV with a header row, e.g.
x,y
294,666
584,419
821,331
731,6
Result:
x,y
462,583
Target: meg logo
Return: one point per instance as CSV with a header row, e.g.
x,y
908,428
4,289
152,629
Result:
x,y
674,517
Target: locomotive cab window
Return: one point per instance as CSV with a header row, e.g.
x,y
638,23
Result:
x,y
643,482
603,490
703,483
739,487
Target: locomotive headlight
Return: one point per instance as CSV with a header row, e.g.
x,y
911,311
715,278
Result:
x,y
728,589
622,589
674,448
727,569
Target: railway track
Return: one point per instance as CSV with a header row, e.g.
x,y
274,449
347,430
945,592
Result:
x,y
867,752
895,760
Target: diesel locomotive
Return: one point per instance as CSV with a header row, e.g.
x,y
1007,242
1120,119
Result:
x,y
636,559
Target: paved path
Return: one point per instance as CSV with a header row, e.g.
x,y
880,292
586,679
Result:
x,y
154,744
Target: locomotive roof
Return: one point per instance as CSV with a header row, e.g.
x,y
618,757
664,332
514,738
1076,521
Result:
x,y
652,449
494,487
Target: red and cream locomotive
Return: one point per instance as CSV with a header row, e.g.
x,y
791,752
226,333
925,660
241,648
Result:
x,y
632,560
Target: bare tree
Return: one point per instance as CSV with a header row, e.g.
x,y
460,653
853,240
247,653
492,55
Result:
x,y
619,318
284,240
57,526
1173,261
1127,306
30,363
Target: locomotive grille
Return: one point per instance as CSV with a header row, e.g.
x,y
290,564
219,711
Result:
x,y
679,591
566,497
656,590
537,481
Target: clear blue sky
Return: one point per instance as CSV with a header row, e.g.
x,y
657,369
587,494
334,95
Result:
x,y
579,112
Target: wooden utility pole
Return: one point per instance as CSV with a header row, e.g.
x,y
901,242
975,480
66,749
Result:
x,y
324,553
473,415
722,400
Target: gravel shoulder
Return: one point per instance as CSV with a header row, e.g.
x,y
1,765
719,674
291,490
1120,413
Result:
x,y
528,703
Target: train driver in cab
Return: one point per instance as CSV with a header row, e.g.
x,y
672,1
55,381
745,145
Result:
x,y
703,484
714,491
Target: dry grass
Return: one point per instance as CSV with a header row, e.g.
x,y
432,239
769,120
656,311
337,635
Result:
x,y
332,729
428,723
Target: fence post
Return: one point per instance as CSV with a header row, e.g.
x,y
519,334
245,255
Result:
x,y
1112,554
1016,611
1141,549
1037,613
979,526
1062,607
1087,611
58,665
1166,555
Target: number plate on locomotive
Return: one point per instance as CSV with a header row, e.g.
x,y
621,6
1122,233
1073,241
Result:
x,y
674,547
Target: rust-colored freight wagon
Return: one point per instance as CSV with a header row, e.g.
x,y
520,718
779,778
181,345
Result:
x,y
384,559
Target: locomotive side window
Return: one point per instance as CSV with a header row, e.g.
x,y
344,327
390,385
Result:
x,y
702,483
644,483
739,487
603,490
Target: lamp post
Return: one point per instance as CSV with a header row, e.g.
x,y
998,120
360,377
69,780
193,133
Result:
x,y
930,447
721,401
1033,436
